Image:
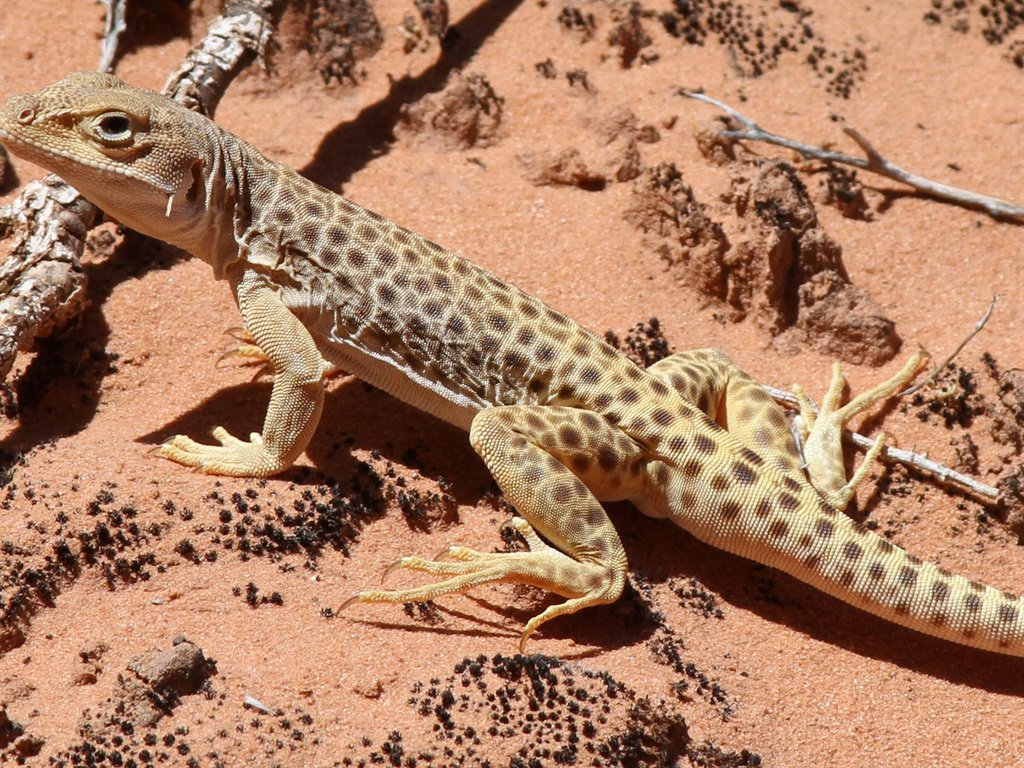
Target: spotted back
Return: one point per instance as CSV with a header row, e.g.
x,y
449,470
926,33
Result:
x,y
365,286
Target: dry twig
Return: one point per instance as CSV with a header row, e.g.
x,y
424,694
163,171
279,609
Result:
x,y
935,371
908,458
114,25
242,31
42,281
874,162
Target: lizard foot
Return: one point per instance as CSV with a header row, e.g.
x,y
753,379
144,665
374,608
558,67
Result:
x,y
822,431
235,457
584,583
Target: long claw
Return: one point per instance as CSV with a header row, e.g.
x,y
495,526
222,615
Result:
x,y
347,603
399,563
251,354
239,332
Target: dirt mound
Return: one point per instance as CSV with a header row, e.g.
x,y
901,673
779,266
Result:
x,y
775,264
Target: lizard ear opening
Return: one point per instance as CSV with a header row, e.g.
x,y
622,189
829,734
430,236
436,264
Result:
x,y
197,181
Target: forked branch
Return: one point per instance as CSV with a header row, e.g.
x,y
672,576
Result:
x,y
872,161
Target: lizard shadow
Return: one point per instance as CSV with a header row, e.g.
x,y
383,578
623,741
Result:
x,y
593,631
357,416
353,144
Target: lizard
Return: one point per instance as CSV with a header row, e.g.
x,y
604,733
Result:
x,y
563,421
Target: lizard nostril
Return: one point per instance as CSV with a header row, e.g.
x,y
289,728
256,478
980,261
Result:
x,y
26,116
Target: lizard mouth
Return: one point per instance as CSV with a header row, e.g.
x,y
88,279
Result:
x,y
58,161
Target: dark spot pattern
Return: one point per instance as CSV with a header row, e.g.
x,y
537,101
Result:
x,y
607,460
692,468
704,444
743,473
570,436
752,456
730,510
662,417
1007,613
824,528
581,463
629,395
788,502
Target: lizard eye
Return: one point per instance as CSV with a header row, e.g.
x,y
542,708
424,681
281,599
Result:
x,y
114,127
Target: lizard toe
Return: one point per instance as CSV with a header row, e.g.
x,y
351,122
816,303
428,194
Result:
x,y
233,457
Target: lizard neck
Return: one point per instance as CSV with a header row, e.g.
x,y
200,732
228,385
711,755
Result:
x,y
215,214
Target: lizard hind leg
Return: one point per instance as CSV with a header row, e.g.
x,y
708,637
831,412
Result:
x,y
714,384
529,451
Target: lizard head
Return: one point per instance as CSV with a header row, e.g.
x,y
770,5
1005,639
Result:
x,y
122,147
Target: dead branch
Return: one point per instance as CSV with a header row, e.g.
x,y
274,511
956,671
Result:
x,y
909,458
42,282
113,26
873,161
242,31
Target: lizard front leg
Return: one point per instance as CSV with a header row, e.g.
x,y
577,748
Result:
x,y
296,400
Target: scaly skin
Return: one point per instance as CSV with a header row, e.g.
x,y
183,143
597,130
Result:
x,y
562,420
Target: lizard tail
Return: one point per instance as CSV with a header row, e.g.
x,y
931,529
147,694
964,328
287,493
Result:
x,y
838,555
847,560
